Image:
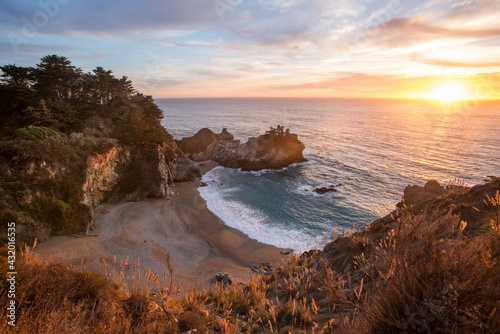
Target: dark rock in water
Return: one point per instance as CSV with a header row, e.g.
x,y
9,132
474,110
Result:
x,y
324,190
221,279
414,195
203,184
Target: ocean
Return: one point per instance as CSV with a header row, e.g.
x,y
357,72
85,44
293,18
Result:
x,y
370,150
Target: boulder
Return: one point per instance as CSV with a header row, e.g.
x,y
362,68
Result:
x,y
264,268
221,279
185,170
197,143
324,190
225,136
414,195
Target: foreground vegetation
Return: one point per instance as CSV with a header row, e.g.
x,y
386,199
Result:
x,y
419,270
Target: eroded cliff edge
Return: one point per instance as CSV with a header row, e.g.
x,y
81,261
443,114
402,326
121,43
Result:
x,y
52,186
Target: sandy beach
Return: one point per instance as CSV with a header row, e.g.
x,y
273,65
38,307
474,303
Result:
x,y
198,242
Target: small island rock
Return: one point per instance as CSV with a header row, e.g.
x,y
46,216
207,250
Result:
x,y
273,150
324,190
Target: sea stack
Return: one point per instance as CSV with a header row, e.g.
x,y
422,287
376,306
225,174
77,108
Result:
x,y
274,150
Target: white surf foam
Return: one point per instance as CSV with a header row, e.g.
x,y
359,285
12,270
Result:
x,y
310,152
252,222
260,172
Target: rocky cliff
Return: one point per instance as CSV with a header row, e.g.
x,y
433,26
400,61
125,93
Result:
x,y
134,173
431,201
49,187
273,150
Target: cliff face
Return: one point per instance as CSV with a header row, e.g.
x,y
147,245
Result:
x,y
101,176
134,173
126,173
52,187
269,151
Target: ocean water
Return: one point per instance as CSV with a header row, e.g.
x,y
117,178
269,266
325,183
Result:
x,y
370,150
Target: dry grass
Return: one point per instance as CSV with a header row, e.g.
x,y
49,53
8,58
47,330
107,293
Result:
x,y
428,274
433,278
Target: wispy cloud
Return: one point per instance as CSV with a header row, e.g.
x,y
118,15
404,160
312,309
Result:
x,y
245,45
447,63
409,31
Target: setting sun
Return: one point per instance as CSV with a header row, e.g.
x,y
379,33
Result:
x,y
449,92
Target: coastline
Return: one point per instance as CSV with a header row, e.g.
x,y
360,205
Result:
x,y
199,243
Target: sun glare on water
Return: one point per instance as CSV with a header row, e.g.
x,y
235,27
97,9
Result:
x,y
449,92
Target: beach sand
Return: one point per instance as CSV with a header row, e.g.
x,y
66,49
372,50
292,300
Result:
x,y
199,244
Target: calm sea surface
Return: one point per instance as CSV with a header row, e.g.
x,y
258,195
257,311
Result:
x,y
369,149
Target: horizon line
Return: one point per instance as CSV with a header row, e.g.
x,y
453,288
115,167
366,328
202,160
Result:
x,y
328,98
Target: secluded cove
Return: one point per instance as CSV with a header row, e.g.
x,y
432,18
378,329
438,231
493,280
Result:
x,y
199,244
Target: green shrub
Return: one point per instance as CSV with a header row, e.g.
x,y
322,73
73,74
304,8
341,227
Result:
x,y
36,133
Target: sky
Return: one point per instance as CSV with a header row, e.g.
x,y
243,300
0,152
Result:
x,y
267,48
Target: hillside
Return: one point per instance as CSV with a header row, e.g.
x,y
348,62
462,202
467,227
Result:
x,y
431,266
71,140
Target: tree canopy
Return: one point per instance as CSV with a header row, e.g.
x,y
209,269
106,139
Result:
x,y
278,131
57,95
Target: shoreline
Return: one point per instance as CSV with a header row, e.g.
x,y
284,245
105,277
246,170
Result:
x,y
199,243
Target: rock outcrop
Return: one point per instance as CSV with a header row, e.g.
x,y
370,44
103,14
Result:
x,y
66,184
325,190
134,173
431,200
273,150
414,195
197,143
221,280
184,169
202,141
